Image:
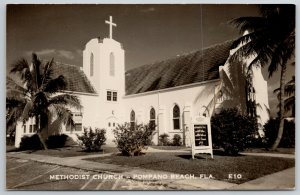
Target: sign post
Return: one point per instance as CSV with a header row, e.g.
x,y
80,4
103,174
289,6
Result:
x,y
201,136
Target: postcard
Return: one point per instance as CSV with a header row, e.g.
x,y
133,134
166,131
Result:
x,y
150,97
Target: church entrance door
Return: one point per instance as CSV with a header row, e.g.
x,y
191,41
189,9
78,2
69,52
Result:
x,y
111,124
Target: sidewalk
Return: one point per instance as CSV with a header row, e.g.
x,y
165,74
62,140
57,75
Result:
x,y
269,154
281,180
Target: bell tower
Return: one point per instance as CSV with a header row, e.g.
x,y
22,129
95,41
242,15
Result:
x,y
104,65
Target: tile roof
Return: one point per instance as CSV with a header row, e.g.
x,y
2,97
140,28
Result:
x,y
75,78
185,69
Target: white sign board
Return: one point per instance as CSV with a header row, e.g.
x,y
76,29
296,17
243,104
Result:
x,y
201,136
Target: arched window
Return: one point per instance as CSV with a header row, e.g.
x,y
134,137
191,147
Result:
x,y
111,64
152,118
132,119
92,64
176,117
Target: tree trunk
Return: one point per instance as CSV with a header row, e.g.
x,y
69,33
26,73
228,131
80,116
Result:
x,y
281,107
42,140
37,121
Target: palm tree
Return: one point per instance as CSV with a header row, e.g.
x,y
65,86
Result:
x,y
289,92
234,87
33,93
234,90
271,40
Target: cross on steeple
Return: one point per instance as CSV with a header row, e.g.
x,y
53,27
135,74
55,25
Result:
x,y
111,24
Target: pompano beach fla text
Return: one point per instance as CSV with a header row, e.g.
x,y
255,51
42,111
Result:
x,y
135,176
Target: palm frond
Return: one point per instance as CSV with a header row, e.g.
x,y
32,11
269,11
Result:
x,y
55,85
289,102
48,71
22,68
276,91
249,23
12,84
267,109
12,117
13,102
227,83
19,66
290,87
258,105
36,71
66,100
40,101
276,61
27,111
243,40
65,115
17,93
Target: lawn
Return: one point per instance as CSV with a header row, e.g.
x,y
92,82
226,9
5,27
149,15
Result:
x,y
169,147
249,167
278,150
70,151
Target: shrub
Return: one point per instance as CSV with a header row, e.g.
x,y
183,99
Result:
x,y
30,143
288,136
70,142
149,141
10,140
56,141
232,131
131,140
177,140
92,140
164,140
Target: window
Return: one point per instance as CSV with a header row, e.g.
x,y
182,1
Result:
x,y
114,124
109,124
24,126
78,127
111,64
132,119
77,118
115,95
152,118
30,128
112,96
92,64
108,95
176,117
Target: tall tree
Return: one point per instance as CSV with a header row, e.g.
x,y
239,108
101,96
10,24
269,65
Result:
x,y
32,92
289,92
270,41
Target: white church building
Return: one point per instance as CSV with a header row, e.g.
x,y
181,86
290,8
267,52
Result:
x,y
168,93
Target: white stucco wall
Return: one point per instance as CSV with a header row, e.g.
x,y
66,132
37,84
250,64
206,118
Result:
x,y
192,97
262,98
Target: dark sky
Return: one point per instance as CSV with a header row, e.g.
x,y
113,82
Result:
x,y
148,33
